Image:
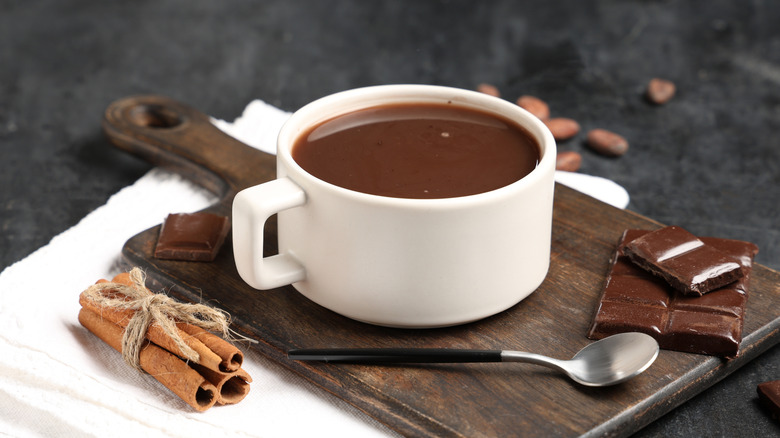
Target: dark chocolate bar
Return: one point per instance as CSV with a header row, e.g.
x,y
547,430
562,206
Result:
x,y
191,236
634,300
683,260
769,395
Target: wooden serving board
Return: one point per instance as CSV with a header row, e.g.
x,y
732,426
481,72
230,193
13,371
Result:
x,y
468,400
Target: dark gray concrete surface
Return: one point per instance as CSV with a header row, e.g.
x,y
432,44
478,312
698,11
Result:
x,y
709,160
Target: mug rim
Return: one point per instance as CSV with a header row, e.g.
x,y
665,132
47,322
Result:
x,y
357,99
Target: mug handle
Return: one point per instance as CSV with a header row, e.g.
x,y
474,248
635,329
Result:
x,y
251,208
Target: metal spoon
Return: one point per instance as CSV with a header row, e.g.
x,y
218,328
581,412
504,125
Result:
x,y
609,361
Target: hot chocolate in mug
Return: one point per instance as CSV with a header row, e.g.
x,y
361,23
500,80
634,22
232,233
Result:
x,y
408,206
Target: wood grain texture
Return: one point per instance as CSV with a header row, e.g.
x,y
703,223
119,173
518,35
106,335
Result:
x,y
468,400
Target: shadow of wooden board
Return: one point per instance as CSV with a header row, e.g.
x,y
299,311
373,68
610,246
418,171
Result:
x,y
460,400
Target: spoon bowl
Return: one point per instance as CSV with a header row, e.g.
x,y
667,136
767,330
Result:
x,y
609,361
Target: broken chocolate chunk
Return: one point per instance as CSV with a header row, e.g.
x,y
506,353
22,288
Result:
x,y
769,395
683,260
191,236
634,300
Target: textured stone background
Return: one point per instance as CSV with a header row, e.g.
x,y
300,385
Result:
x,y
709,160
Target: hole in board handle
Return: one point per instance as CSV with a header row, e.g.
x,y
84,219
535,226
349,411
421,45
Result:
x,y
155,116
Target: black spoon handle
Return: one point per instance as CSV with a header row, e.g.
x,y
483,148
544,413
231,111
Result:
x,y
394,355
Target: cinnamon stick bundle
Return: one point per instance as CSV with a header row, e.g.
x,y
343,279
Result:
x,y
159,363
213,352
200,367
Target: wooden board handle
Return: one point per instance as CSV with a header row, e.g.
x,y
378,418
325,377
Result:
x,y
173,135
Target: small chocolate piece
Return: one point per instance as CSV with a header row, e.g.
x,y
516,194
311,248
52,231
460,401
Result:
x,y
634,300
683,260
191,236
769,395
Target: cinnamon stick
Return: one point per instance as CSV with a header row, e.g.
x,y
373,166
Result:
x,y
161,364
231,357
232,387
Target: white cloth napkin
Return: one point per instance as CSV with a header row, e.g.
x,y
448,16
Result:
x,y
58,379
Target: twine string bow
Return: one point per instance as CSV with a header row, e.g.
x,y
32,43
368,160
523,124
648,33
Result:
x,y
151,308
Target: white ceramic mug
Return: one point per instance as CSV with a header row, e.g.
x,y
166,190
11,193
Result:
x,y
394,261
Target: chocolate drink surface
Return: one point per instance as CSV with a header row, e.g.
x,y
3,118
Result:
x,y
419,150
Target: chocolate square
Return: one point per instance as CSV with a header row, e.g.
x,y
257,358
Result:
x,y
633,300
638,289
191,236
728,300
621,317
686,262
703,332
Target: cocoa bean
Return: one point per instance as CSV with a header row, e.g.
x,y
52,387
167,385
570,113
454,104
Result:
x,y
489,89
607,143
535,106
562,128
659,91
569,161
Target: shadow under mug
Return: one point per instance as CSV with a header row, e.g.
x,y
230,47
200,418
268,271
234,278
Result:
x,y
398,262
